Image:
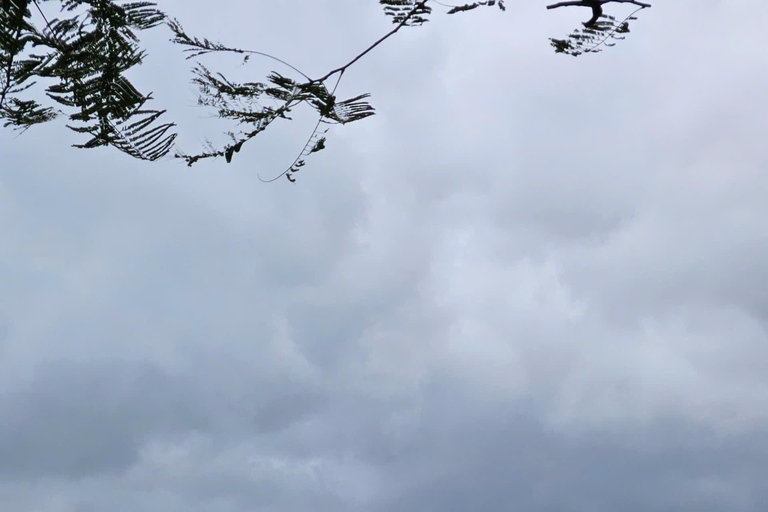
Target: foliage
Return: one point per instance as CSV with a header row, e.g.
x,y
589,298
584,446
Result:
x,y
240,102
84,57
591,39
602,31
408,12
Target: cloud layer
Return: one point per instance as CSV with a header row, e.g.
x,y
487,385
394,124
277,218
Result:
x,y
530,282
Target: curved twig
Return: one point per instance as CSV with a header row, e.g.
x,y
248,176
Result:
x,y
615,28
309,141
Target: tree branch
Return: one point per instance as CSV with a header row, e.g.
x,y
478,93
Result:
x,y
591,3
392,32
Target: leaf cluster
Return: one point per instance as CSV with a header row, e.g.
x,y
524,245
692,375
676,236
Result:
x,y
416,12
84,56
604,33
256,105
469,7
407,12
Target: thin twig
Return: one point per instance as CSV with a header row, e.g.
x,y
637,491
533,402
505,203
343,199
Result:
x,y
314,132
615,28
392,32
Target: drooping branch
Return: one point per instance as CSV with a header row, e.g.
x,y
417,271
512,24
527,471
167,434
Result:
x,y
217,90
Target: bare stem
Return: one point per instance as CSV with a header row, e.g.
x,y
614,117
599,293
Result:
x,y
392,32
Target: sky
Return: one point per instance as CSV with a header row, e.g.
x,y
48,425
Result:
x,y
530,282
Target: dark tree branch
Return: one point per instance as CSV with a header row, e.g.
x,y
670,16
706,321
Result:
x,y
592,3
596,6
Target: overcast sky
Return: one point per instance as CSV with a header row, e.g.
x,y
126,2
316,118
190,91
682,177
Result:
x,y
530,282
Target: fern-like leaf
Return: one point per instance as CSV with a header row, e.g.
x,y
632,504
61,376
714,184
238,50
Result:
x,y
474,5
409,12
87,55
604,33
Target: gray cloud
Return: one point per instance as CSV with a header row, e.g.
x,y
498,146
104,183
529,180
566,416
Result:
x,y
529,282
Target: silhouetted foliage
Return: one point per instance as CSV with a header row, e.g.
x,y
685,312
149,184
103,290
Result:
x,y
85,54
86,57
601,31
